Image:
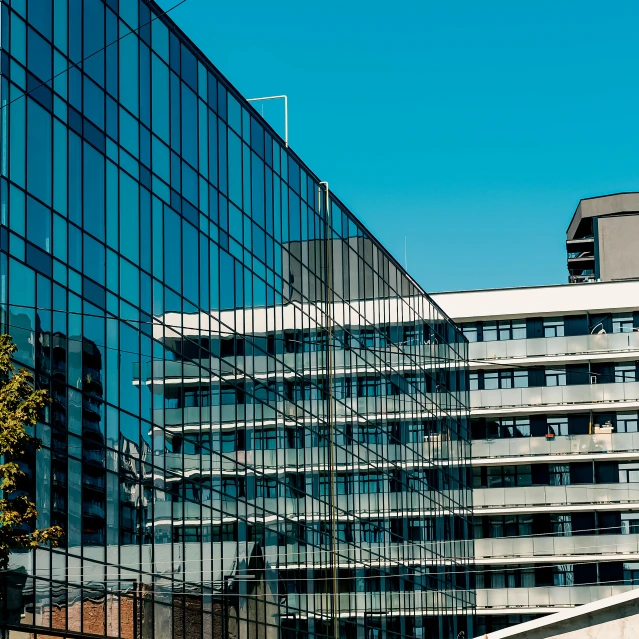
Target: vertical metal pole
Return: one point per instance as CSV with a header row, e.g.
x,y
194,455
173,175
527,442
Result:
x,y
286,121
329,409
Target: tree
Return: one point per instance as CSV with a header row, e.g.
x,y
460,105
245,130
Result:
x,y
20,406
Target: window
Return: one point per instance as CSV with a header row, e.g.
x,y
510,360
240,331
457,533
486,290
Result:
x,y
224,532
490,332
342,388
345,532
370,483
627,422
231,395
470,332
515,329
229,441
628,472
625,372
553,327
292,534
414,383
519,329
557,425
561,525
325,533
344,484
559,474
417,480
502,476
563,575
414,335
631,574
520,379
266,439
415,432
622,323
519,427
473,381
294,486
420,529
372,532
502,330
373,338
266,488
509,526
555,377
630,523
371,434
368,386
491,380
506,577
506,379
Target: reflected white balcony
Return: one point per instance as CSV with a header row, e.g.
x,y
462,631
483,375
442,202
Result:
x,y
395,603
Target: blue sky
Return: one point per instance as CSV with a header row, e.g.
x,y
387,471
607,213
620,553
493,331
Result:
x,y
469,130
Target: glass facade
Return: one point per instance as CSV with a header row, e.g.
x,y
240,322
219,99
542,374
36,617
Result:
x,y
259,422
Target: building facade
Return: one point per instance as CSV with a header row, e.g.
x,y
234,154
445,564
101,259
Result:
x,y
259,423
554,411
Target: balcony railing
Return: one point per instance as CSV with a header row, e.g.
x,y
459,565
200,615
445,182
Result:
x,y
489,500
487,401
544,549
490,451
554,347
512,599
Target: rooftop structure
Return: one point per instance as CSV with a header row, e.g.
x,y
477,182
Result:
x,y
602,238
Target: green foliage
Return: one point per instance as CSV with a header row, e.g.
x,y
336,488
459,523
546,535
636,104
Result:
x,y
20,406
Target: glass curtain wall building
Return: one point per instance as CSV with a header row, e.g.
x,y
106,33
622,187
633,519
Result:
x,y
258,424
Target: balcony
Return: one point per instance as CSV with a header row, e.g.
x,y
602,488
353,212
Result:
x,y
93,509
542,599
97,483
391,406
556,347
554,549
508,400
494,451
93,456
495,501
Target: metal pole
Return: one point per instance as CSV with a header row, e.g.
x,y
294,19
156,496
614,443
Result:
x,y
277,97
329,407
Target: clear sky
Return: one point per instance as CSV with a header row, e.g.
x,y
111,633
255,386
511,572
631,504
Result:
x,y
468,129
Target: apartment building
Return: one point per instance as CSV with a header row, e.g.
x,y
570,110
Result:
x,y
554,399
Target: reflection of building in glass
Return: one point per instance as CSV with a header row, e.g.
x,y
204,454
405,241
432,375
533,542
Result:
x,y
554,395
258,440
259,421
